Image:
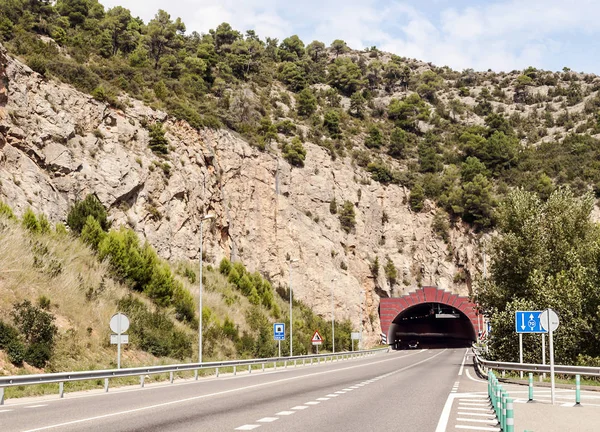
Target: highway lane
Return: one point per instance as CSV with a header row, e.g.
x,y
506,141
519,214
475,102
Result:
x,y
397,391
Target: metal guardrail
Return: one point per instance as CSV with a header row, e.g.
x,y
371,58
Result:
x,y
62,377
530,367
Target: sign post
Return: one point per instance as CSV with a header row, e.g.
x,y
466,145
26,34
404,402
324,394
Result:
x,y
279,334
549,322
355,336
119,323
317,340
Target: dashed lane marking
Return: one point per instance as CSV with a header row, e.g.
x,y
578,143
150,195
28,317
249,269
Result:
x,y
267,419
299,407
285,413
323,399
1,411
247,427
332,395
36,406
312,403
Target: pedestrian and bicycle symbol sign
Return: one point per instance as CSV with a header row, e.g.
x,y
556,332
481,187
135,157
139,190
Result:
x,y
279,331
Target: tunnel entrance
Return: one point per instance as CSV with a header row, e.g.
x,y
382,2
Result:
x,y
431,325
429,317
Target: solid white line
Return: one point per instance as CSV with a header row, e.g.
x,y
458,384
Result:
x,y
476,414
267,419
247,427
1,411
473,403
478,428
466,408
36,406
462,366
299,407
285,413
474,379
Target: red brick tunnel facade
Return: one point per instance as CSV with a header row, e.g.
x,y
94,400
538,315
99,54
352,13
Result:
x,y
390,308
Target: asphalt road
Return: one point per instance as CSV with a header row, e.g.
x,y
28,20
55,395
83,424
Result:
x,y
398,391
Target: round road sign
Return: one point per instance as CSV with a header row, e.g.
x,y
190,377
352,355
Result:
x,y
119,323
553,319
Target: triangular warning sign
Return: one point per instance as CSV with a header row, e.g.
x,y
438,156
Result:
x,y
317,339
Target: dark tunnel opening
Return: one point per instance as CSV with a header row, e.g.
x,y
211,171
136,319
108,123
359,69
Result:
x,y
431,325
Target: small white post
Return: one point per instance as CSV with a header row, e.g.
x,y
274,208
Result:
x,y
106,385
521,352
551,356
61,389
544,352
142,381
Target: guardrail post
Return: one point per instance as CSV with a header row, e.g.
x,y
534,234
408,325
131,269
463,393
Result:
x,y
530,387
106,385
171,377
577,390
142,381
1,395
510,416
61,389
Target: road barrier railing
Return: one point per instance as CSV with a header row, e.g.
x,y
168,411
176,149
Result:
x,y
531,367
62,377
501,403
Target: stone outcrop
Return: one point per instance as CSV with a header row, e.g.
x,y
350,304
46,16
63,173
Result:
x,y
57,145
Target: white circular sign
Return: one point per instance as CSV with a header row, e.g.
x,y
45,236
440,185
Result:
x,y
119,323
553,320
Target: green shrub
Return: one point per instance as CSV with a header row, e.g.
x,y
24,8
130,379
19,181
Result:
x,y
295,153
92,233
8,334
6,211
225,267
90,206
30,221
39,331
347,216
16,352
158,142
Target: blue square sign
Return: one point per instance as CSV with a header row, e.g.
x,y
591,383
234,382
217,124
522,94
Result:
x,y
528,322
279,331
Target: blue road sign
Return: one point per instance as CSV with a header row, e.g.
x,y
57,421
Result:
x,y
279,331
528,322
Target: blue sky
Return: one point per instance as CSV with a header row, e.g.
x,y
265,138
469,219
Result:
x,y
500,35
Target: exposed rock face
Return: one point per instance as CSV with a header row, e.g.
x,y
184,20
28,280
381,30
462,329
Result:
x,y
57,145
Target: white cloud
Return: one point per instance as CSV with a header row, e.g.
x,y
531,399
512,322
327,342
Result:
x,y
501,35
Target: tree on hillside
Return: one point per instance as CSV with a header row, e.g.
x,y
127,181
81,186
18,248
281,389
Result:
x,y
163,35
291,49
546,254
338,46
407,113
90,206
122,29
316,50
306,103
345,75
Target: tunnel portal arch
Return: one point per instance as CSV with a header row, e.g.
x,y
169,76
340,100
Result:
x,y
410,317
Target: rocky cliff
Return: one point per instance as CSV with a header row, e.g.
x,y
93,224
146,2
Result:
x,y
57,145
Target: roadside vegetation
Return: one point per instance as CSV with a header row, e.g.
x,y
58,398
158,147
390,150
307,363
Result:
x,y
59,286
546,255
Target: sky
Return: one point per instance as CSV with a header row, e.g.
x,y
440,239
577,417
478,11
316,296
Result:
x,y
500,35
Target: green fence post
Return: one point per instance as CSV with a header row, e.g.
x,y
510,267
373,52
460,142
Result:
x,y
499,404
504,398
577,390
530,387
510,416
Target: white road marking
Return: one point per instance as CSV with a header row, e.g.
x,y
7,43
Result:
x,y
312,403
267,419
477,420
478,428
323,399
466,408
1,411
332,395
285,413
247,427
348,389
476,414
472,403
462,366
299,407
474,379
340,392
36,406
